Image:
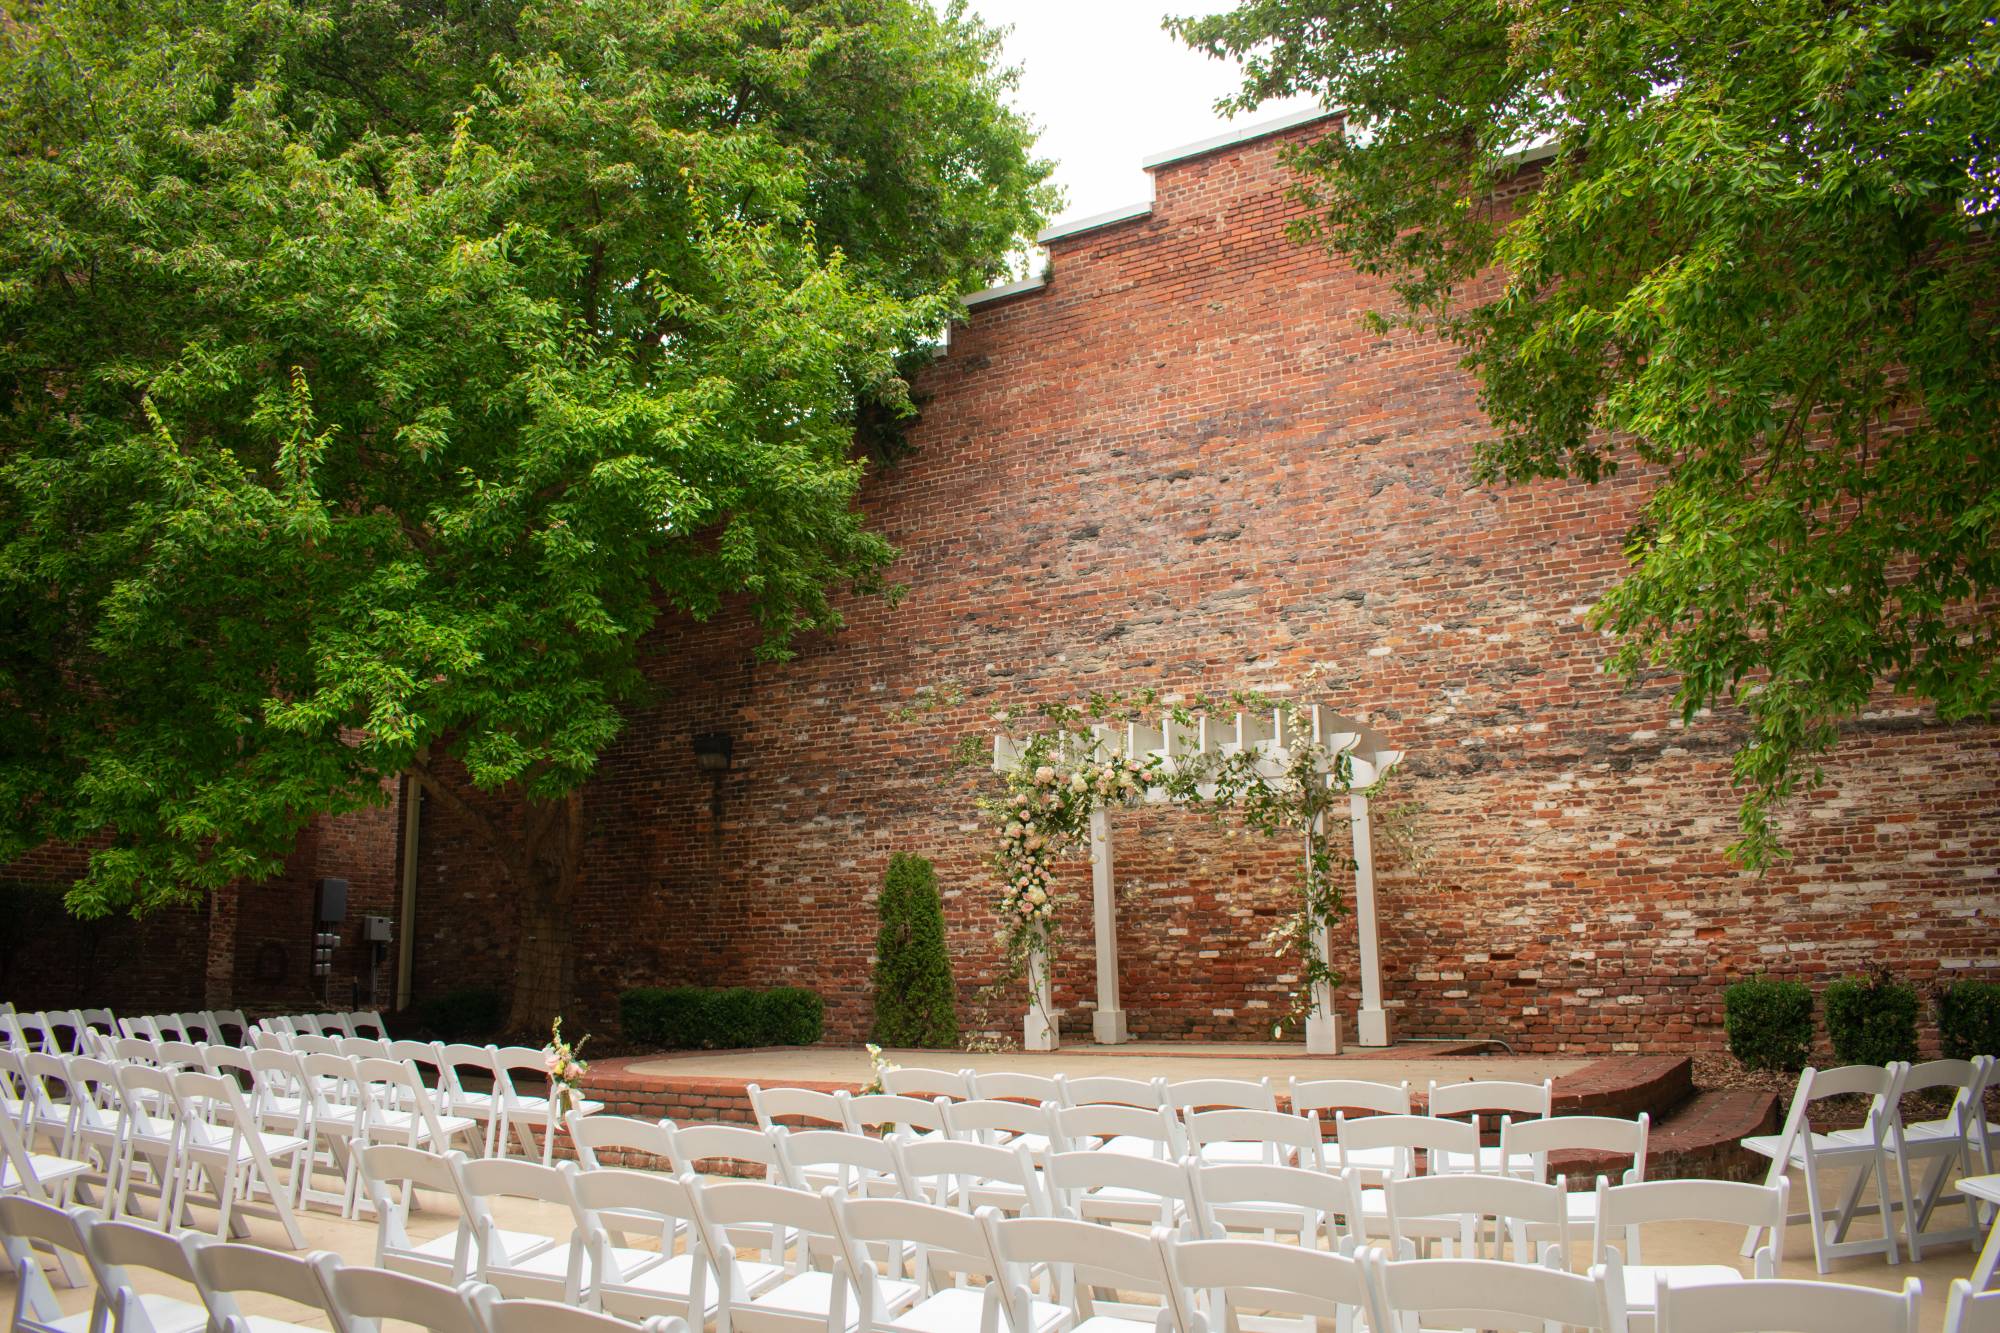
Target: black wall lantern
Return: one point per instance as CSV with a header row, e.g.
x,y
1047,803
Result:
x,y
712,751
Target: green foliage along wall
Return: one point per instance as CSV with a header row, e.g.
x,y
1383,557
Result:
x,y
915,1001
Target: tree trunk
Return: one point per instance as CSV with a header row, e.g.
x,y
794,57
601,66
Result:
x,y
542,956
542,856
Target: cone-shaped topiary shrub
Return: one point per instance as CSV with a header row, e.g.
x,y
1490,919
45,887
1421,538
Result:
x,y
916,1003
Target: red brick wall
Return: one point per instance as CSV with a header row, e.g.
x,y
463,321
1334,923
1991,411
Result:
x,y
1185,464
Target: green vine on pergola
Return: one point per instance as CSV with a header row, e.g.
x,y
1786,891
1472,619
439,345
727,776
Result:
x,y
1066,772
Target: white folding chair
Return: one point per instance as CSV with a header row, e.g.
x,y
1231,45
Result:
x,y
1321,1209
1111,1090
688,1146
1084,1258
1118,1187
1489,1294
1273,1138
943,1244
24,1224
338,1111
1969,1311
362,1048
618,1140
882,1113
1624,1211
1386,1147
969,1176
1217,1284
224,1020
392,1175
371,1295
1864,1151
994,1121
43,1177
1133,1131
1215,1094
335,1025
197,1028
222,1271
1004,1085
398,1108
148,1133
45,1111
540,1264
1454,1211
929,1083
368,1023
114,1250
642,1284
524,1112
1949,1143
1474,1100
457,1059
796,1108
1776,1305
1528,1144
1314,1099
786,1223
235,1155
855,1164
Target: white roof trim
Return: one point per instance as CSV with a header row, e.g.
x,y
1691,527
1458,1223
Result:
x,y
1521,157
1005,289
1061,229
1241,134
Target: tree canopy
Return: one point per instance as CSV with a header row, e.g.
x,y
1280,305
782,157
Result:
x,y
374,374
1756,260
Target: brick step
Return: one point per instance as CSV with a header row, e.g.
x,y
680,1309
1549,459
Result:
x,y
1700,1139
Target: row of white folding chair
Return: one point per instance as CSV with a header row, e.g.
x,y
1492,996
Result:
x,y
1092,1184
328,1104
54,1031
1962,1140
349,1299
359,1023
1473,1102
211,1025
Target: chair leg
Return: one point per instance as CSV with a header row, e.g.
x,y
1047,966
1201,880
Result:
x,y
1888,1217
1775,1174
1818,1219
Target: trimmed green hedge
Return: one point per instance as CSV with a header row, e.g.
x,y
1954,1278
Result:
x,y
1872,1020
686,1018
1769,1023
1968,1017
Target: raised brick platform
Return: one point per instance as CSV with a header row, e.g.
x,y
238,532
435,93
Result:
x,y
1692,1136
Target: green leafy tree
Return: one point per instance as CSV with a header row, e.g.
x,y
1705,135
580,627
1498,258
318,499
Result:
x,y
374,376
1757,263
916,1003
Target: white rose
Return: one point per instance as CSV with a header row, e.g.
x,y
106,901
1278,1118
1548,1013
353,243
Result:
x,y
1077,782
1037,897
1045,775
1035,842
1015,829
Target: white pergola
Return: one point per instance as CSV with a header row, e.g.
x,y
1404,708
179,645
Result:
x,y
1272,736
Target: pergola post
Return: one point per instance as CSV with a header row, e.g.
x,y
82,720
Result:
x,y
1372,1023
1322,1023
1108,1023
1039,1031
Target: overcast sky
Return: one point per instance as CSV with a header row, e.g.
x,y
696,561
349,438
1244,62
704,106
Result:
x,y
1107,87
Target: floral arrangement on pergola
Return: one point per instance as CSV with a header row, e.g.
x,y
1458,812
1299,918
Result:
x,y
1279,765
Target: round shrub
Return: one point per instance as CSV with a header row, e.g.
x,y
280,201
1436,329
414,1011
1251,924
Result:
x,y
793,1016
1769,1023
1968,1017
1872,1020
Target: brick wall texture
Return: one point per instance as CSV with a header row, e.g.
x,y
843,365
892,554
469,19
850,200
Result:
x,y
1185,464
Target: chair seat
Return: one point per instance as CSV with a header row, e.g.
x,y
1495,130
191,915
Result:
x,y
1252,1154
1132,1145
958,1309
668,1285
262,1323
812,1293
1642,1280
168,1315
1106,1323
1840,1145
49,1170
275,1145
